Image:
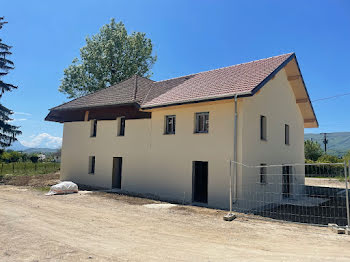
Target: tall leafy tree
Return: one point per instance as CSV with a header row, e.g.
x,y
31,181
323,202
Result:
x,y
108,58
8,132
312,150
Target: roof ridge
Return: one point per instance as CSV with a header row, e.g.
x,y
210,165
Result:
x,y
223,67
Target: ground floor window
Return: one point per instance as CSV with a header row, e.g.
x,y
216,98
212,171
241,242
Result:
x,y
262,173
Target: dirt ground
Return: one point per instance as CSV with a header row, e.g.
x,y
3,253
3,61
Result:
x,y
92,226
324,182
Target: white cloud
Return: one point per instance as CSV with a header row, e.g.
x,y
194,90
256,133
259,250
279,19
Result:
x,y
22,113
18,120
43,140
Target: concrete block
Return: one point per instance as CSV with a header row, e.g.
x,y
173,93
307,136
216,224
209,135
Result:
x,y
338,230
332,225
229,217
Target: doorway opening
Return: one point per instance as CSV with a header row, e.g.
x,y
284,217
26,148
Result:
x,y
117,172
286,181
200,182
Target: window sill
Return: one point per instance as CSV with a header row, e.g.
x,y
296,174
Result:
x,y
167,134
201,133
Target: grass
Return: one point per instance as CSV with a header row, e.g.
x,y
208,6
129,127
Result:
x,y
42,188
27,168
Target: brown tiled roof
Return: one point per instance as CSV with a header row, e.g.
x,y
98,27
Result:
x,y
242,79
132,90
223,82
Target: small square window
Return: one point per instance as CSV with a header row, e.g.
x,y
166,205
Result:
x,y
92,165
170,122
121,131
286,134
93,129
202,122
263,129
262,173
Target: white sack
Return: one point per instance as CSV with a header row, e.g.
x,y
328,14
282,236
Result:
x,y
65,187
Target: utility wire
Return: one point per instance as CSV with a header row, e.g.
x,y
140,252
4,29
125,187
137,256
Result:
x,y
330,97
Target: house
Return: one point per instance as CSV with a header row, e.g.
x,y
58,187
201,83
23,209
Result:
x,y
175,138
41,157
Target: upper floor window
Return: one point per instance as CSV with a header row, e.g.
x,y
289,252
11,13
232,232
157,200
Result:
x,y
93,129
202,122
263,128
170,122
92,165
286,134
121,131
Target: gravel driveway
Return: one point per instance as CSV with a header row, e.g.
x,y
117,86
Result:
x,y
96,227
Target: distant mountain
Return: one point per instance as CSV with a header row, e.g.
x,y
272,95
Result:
x,y
338,143
40,150
17,146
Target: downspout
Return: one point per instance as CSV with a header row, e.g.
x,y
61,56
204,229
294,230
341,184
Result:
x,y
235,167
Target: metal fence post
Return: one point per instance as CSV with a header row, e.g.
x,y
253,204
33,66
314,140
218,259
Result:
x,y
347,193
13,167
230,186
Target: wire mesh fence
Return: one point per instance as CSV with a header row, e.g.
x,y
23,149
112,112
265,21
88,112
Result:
x,y
28,168
304,193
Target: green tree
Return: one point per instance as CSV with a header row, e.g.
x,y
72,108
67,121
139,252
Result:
x,y
34,158
329,159
5,157
108,58
8,132
312,150
24,157
15,156
347,156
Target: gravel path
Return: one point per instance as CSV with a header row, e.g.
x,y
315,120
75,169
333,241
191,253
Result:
x,y
95,227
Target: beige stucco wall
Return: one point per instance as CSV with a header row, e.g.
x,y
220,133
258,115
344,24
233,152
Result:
x,y
155,163
276,101
161,165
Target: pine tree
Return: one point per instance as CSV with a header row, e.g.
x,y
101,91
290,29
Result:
x,y
8,132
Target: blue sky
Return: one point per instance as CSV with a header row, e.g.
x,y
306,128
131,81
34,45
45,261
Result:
x,y
188,36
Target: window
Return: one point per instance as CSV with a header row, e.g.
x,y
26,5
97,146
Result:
x,y
91,165
262,174
202,122
263,135
93,129
121,131
170,122
286,134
